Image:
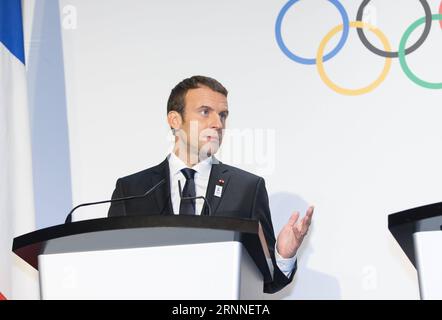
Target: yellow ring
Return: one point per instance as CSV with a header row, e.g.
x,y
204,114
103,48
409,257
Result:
x,y
352,92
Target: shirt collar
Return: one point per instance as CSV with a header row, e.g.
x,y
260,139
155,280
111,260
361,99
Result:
x,y
202,168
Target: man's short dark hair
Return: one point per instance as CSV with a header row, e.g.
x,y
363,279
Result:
x,y
177,95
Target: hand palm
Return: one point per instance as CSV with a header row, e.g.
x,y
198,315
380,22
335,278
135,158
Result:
x,y
292,234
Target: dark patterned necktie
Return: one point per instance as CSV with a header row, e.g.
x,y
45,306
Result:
x,y
188,206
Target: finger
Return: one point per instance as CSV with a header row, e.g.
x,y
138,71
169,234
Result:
x,y
297,234
298,226
303,226
293,218
304,229
302,223
309,212
309,215
307,221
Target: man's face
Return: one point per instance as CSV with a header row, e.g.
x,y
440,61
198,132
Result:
x,y
205,115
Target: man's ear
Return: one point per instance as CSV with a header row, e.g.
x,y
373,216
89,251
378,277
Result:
x,y
175,120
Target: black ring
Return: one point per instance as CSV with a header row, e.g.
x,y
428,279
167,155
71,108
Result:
x,y
382,53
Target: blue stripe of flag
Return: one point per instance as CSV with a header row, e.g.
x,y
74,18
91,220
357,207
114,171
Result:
x,y
11,27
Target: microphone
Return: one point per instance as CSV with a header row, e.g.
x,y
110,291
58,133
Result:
x,y
69,217
194,198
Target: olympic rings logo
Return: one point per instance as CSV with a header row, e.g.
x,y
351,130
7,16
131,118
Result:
x,y
386,52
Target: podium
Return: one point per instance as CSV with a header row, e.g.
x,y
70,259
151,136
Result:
x,y
419,233
150,257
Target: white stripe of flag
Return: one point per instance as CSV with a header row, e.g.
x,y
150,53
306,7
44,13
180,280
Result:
x,y
17,280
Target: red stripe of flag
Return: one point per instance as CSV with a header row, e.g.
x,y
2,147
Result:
x,y
2,297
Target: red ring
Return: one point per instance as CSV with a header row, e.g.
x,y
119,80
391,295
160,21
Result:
x,y
440,12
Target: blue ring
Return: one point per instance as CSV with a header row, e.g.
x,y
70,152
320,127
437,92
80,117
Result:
x,y
302,60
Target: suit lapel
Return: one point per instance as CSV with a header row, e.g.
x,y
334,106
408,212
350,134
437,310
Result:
x,y
218,173
162,194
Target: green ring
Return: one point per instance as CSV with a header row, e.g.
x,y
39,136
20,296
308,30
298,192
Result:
x,y
405,68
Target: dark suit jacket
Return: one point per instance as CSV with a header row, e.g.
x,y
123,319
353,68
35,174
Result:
x,y
244,195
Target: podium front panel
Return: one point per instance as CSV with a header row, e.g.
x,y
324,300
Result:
x,y
428,251
219,270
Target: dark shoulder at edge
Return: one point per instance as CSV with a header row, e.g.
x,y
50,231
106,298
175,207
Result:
x,y
241,173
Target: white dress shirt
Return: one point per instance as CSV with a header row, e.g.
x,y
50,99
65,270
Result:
x,y
201,178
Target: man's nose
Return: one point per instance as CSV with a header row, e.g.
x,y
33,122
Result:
x,y
216,122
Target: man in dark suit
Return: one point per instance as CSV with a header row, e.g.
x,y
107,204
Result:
x,y
197,111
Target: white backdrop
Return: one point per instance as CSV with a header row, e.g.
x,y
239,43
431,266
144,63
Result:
x,y
357,159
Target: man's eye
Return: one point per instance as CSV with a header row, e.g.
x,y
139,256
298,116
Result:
x,y
205,112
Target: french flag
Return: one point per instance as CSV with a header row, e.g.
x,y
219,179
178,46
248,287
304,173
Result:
x,y
16,191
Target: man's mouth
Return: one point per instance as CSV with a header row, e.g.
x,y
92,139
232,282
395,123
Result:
x,y
212,138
